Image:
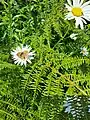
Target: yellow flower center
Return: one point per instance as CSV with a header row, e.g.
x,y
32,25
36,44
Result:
x,y
23,55
77,11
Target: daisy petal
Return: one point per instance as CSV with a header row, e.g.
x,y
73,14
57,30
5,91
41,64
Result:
x,y
81,23
69,2
69,16
68,7
85,4
81,2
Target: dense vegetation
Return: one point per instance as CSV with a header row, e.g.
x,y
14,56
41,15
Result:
x,y
38,91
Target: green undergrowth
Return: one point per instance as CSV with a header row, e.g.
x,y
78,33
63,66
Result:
x,y
38,91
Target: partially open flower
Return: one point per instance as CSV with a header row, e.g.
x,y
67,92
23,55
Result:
x,y
73,36
84,51
22,54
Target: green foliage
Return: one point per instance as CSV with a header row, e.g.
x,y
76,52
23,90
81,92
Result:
x,y
37,92
78,107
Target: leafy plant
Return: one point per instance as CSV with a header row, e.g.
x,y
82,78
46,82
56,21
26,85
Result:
x,y
38,91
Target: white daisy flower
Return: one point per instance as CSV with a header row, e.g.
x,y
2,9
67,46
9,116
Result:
x,y
84,51
22,54
79,11
73,36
